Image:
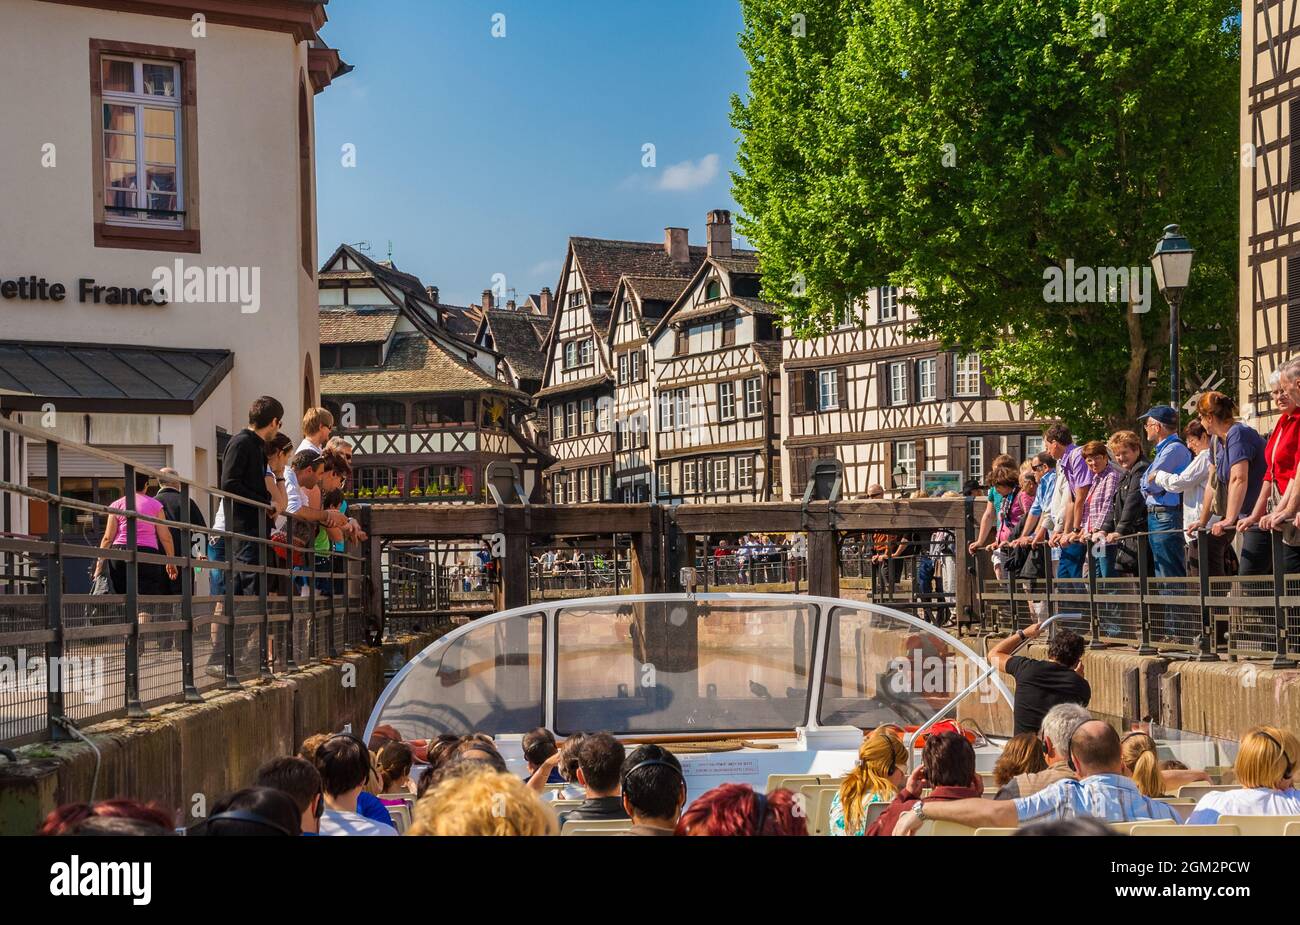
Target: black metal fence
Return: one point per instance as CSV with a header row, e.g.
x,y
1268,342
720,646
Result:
x,y
269,604
1202,616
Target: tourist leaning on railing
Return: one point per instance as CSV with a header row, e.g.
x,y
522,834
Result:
x,y
169,496
1067,517
1105,482
1275,508
1265,768
1036,526
243,473
1191,484
1237,469
1102,791
1128,510
1164,511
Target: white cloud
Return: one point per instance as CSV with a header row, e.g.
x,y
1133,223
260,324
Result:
x,y
689,175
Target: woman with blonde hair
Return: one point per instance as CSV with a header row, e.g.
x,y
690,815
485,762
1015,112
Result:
x,y
1142,764
877,777
1265,767
1022,755
483,802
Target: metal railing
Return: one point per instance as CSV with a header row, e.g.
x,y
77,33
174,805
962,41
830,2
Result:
x,y
272,604
1203,616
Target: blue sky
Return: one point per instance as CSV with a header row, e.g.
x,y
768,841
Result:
x,y
479,155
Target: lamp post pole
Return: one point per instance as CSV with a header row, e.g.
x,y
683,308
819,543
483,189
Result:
x,y
1172,263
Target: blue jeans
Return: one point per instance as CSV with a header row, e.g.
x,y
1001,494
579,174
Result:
x,y
217,580
1071,564
1169,550
929,583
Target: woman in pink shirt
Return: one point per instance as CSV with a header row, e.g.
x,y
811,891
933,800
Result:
x,y
151,578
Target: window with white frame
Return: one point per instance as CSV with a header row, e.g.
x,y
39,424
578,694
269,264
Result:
x,y
584,491
727,401
666,411
635,369
927,388
828,390
143,182
682,419
753,397
570,354
898,383
1033,446
588,416
557,422
975,459
722,473
606,483
602,415
688,477
663,479
585,352
905,456
888,303
744,471
622,368
572,428
575,299
966,376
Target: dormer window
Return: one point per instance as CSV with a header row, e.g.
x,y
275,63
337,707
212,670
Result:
x,y
713,290
351,356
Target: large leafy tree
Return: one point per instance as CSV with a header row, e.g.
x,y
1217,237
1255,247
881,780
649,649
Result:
x,y
961,148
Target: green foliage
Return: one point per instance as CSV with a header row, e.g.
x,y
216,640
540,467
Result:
x,y
959,148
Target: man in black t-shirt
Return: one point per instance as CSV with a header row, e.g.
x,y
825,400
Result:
x,y
243,473
1042,684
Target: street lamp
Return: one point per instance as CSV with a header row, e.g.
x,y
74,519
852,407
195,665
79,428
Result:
x,y
900,476
1172,262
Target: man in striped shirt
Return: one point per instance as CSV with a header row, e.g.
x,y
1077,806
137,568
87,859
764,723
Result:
x,y
1102,792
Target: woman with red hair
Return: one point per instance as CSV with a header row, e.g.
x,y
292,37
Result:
x,y
68,818
737,809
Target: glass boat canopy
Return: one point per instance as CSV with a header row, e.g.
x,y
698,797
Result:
x,y
677,664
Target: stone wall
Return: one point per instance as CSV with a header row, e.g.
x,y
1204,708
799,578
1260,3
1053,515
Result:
x,y
185,753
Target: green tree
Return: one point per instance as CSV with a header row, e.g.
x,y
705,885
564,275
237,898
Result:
x,y
961,148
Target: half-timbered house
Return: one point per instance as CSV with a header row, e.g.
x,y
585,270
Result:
x,y
639,302
891,405
576,400
1269,255
716,382
425,409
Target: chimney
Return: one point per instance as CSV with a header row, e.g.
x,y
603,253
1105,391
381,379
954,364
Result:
x,y
510,305
432,293
719,233
544,301
676,246
487,300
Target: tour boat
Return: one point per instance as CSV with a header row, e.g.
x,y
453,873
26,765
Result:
x,y
739,686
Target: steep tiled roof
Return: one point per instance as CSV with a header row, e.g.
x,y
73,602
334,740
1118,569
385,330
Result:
x,y
739,262
462,321
414,364
575,385
356,325
769,354
604,261
657,288
519,337
752,306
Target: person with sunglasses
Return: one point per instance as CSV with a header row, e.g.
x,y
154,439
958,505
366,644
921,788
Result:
x,y
1265,768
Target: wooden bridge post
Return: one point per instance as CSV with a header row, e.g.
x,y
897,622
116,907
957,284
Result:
x,y
512,585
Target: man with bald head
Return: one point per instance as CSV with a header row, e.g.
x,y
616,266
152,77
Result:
x,y
1102,791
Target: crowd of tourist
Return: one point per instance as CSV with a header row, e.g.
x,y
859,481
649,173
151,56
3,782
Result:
x,y
1219,479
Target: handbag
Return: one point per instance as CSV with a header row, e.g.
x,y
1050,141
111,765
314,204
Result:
x,y
1218,488
102,584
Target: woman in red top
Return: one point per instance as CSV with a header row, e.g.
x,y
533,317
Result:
x,y
1278,499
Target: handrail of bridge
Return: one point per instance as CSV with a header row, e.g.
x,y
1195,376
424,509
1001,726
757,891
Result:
x,y
1202,616
101,655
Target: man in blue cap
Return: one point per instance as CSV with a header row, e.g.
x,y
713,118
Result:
x,y
1165,508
